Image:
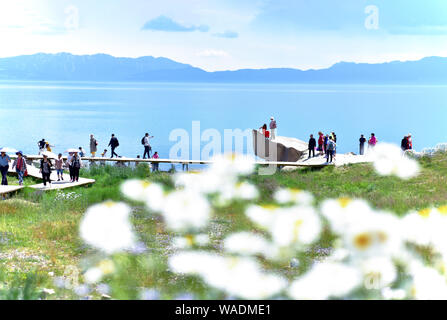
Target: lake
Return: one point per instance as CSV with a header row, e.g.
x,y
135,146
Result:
x,y
66,113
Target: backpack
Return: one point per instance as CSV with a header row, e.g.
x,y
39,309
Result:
x,y
76,163
142,140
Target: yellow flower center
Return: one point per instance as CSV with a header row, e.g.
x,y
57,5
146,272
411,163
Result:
x,y
425,213
145,184
109,204
382,236
344,202
296,229
363,241
443,210
106,266
189,239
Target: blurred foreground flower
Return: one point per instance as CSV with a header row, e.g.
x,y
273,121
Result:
x,y
107,227
388,159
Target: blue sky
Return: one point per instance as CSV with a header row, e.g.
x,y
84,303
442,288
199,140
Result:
x,y
229,34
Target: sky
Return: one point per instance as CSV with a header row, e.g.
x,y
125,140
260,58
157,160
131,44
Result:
x,y
229,34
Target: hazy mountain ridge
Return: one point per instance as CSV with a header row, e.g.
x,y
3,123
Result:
x,y
102,67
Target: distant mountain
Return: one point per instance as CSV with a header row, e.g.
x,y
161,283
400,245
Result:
x,y
102,67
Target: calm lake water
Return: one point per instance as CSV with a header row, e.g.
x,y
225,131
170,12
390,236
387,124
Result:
x,y
65,113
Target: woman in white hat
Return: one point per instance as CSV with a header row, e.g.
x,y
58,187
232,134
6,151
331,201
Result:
x,y
4,166
20,166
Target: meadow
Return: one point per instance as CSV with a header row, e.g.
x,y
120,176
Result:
x,y
40,246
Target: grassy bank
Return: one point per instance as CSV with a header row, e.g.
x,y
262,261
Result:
x,y
39,230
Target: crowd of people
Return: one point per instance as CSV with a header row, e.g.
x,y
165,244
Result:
x,y
327,146
73,162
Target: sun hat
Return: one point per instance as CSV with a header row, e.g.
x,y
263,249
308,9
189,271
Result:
x,y
19,152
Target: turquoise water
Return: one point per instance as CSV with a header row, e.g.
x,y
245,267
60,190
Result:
x,y
66,113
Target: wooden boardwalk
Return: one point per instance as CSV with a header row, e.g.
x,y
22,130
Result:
x,y
185,162
34,172
5,190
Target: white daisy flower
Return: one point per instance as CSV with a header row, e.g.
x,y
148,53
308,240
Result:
x,y
326,280
295,196
107,227
388,159
184,211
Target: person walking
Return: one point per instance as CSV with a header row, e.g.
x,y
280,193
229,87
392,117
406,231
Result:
x,y
93,146
155,164
113,144
20,166
320,142
331,145
372,141
312,144
70,168
41,144
76,165
4,166
59,165
147,146
45,169
362,141
273,126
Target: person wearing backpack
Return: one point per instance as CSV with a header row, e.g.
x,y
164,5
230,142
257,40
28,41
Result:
x,y
113,144
330,150
76,165
147,146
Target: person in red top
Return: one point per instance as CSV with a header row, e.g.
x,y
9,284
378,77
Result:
x,y
320,142
264,131
155,164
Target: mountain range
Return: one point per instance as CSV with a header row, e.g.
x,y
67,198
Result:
x,y
102,67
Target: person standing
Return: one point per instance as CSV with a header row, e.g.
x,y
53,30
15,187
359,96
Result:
x,y
93,145
4,166
312,144
76,165
48,146
330,150
59,164
20,166
273,127
155,164
410,142
372,141
326,140
320,142
41,144
113,144
362,141
147,146
404,144
70,168
45,169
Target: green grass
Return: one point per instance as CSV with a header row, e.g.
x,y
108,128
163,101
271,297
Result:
x,y
39,230
361,181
